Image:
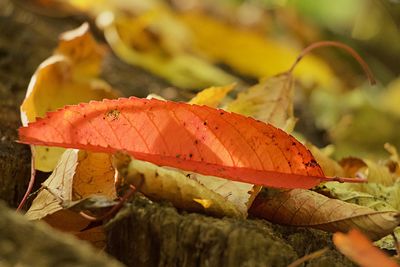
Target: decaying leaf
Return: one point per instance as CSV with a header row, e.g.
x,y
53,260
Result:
x,y
270,101
307,208
57,187
204,140
67,77
359,249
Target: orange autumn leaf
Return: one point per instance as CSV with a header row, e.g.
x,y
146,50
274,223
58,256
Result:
x,y
189,137
360,249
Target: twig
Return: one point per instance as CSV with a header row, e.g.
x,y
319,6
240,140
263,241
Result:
x,y
305,258
344,179
31,183
345,47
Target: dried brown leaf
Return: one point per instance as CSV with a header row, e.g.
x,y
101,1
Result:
x,y
81,181
307,208
78,175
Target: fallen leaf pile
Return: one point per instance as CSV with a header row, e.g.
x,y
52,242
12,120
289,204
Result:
x,y
225,152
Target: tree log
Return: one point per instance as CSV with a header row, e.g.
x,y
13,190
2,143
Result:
x,y
147,233
23,243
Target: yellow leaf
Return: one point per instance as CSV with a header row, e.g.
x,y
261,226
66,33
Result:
x,y
251,53
241,195
158,54
212,96
94,174
68,77
180,188
270,101
150,35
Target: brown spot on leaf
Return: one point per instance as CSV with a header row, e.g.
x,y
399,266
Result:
x,y
112,114
311,163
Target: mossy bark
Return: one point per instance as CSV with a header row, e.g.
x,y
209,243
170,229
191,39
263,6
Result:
x,y
23,243
25,41
146,233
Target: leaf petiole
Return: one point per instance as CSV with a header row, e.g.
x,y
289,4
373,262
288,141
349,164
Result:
x,y
344,179
113,210
343,46
31,183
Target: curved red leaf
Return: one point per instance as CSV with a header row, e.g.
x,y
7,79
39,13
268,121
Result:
x,y
190,137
